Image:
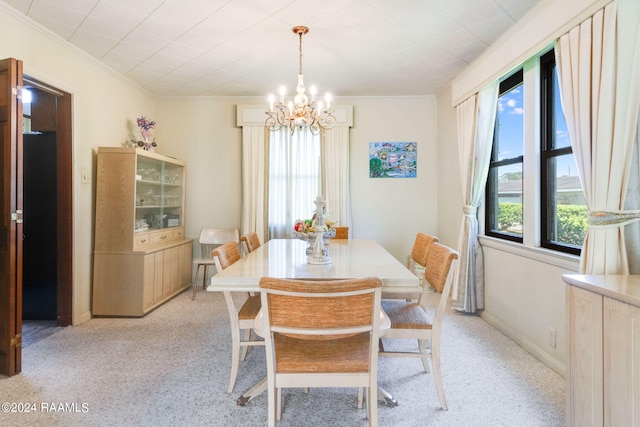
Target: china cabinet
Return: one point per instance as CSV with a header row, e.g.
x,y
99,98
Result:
x,y
141,257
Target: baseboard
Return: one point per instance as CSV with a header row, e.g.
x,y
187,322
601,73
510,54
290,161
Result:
x,y
81,318
526,344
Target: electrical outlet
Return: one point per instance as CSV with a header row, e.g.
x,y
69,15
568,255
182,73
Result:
x,y
552,337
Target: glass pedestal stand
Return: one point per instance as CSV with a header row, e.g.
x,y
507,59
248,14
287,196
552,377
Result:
x,y
319,254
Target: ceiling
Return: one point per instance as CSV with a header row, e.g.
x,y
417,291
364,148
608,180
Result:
x,y
247,48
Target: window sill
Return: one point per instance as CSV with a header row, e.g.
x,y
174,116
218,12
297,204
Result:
x,y
547,256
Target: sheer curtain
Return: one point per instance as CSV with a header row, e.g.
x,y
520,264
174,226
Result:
x,y
254,169
476,119
599,68
294,179
335,149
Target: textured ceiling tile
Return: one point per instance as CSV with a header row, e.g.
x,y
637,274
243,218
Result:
x,y
355,47
20,5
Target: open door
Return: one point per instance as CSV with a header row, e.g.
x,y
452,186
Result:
x,y
10,217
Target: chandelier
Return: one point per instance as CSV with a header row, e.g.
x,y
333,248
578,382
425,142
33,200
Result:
x,y
301,112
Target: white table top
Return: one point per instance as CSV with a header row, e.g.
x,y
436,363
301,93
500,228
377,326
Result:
x,y
286,258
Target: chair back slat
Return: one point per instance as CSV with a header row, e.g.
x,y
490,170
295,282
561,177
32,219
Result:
x,y
421,246
210,238
305,307
342,232
226,254
251,241
320,312
438,265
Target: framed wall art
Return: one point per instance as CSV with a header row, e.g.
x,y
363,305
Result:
x,y
392,159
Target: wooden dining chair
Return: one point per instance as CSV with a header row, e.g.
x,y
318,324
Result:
x,y
241,319
321,334
250,241
420,251
417,262
209,239
409,320
342,232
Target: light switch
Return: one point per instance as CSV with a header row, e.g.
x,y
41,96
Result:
x,y
84,176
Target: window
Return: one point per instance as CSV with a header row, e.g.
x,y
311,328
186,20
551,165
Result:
x,y
294,179
504,192
533,192
563,208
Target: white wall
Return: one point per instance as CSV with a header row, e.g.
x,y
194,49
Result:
x,y
392,211
202,132
105,106
450,199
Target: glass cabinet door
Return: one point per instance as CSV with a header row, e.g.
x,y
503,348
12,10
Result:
x,y
158,195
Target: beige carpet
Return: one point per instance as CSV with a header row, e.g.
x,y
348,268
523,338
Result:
x,y
171,368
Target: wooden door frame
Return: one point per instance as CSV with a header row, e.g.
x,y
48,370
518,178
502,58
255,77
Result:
x,y
64,208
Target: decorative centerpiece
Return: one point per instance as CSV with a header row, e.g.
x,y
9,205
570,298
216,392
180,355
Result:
x,y
315,232
145,126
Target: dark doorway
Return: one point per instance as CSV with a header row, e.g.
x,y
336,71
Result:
x,y
39,280
47,228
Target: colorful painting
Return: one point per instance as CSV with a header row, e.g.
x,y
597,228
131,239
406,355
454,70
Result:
x,y
392,159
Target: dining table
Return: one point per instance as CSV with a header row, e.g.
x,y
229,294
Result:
x,y
288,259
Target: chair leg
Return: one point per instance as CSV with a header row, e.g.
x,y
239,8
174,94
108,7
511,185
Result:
x,y
372,403
195,282
279,403
360,395
422,345
204,278
245,348
272,404
437,378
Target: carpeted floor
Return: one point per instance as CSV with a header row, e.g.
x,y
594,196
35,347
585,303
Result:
x,y
171,368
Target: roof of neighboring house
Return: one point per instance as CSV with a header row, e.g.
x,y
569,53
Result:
x,y
564,183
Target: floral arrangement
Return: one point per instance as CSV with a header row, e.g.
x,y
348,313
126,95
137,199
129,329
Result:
x,y
145,126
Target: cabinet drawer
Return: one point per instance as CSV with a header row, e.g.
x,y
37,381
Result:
x,y
162,236
178,233
141,240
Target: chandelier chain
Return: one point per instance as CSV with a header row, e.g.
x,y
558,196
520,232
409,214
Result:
x,y
300,50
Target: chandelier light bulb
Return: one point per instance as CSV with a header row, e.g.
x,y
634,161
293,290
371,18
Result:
x,y
283,92
327,98
271,100
313,90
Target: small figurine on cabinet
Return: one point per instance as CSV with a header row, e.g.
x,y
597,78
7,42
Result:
x,y
145,126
